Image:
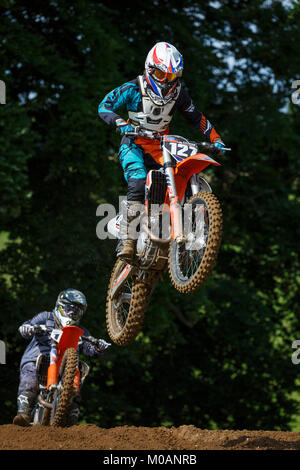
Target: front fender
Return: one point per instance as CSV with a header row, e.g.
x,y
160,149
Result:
x,y
188,167
70,337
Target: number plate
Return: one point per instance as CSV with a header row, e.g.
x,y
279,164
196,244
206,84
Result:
x,y
56,335
179,149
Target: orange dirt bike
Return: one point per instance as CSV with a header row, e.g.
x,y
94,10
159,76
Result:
x,y
60,375
180,228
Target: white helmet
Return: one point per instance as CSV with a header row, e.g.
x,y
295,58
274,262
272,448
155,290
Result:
x,y
163,67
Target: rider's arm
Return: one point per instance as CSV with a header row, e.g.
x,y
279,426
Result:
x,y
39,319
128,94
195,118
86,347
89,349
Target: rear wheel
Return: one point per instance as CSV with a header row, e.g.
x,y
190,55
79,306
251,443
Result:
x,y
191,263
125,311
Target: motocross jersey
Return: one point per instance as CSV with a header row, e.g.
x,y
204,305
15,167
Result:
x,y
153,117
142,111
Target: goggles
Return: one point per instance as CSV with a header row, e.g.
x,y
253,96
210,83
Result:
x,y
72,311
162,76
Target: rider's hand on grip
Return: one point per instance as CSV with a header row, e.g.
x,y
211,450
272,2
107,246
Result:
x,y
221,147
27,331
102,345
123,127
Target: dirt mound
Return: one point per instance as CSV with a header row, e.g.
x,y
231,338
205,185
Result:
x,y
91,437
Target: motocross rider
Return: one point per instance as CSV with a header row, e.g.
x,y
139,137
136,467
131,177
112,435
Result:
x,y
69,308
151,100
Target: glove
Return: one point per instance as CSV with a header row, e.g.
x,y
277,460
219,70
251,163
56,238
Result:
x,y
123,126
220,144
102,345
26,331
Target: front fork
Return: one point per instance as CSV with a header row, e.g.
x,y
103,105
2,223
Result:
x,y
195,186
175,206
53,371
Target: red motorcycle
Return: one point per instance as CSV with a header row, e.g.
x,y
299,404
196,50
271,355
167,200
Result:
x,y
180,228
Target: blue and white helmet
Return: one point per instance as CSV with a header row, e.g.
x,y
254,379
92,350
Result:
x,y
163,67
70,307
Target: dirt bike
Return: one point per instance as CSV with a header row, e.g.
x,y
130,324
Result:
x,y
189,248
59,375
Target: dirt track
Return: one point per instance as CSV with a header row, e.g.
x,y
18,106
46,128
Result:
x,y
90,437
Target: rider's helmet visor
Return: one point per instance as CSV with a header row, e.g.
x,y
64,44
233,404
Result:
x,y
72,311
164,76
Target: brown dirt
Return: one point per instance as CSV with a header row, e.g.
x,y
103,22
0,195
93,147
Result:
x,y
91,437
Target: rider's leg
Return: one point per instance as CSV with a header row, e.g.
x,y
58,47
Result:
x,y
132,161
27,393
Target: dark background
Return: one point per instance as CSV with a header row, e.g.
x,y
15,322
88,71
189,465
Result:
x,y
220,358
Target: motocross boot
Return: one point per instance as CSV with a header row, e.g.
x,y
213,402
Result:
x,y
128,231
25,404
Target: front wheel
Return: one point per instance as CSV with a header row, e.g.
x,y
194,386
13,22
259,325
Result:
x,y
65,392
191,263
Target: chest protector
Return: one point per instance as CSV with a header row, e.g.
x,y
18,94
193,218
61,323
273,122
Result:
x,y
153,117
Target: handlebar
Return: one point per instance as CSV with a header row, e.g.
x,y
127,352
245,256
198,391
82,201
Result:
x,y
141,132
100,343
36,329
